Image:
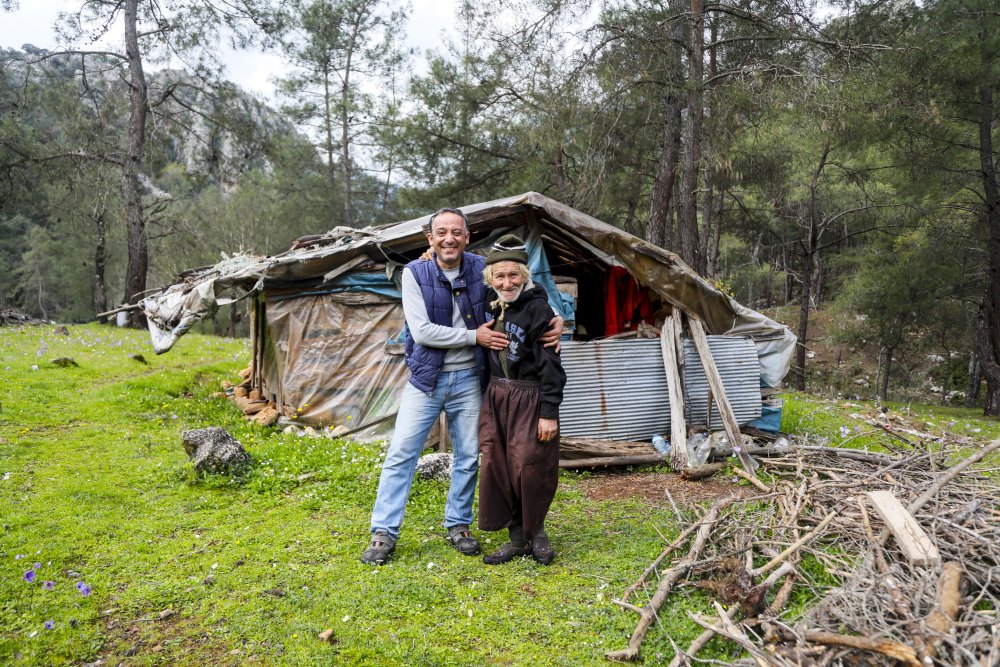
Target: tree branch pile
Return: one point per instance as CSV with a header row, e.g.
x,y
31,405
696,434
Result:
x,y
809,573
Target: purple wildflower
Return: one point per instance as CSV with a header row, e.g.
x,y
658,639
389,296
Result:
x,y
83,588
29,576
19,557
36,566
49,625
844,431
49,585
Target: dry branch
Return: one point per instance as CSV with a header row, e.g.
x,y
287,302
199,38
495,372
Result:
x,y
882,609
667,581
886,647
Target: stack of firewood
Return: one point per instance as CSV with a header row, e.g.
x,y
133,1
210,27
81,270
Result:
x,y
251,401
912,540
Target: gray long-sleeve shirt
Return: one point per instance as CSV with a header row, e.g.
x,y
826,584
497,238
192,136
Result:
x,y
456,339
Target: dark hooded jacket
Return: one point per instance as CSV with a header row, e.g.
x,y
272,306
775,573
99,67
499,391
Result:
x,y
524,322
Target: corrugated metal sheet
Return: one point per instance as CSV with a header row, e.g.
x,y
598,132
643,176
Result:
x,y
739,367
617,390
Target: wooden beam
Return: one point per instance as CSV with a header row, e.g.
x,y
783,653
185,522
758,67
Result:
x,y
719,392
678,428
604,461
915,544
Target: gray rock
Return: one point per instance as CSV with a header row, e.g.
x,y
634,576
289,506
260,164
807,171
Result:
x,y
213,450
435,466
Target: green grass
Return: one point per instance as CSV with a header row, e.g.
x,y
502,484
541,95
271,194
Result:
x,y
94,481
823,420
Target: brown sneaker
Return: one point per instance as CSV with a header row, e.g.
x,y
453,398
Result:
x,y
379,549
462,539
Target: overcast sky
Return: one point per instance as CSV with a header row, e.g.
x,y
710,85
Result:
x,y
32,24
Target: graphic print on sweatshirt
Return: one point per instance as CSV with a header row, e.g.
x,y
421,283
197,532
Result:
x,y
515,336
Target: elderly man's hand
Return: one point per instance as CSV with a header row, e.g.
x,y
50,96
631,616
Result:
x,y
547,429
490,339
553,334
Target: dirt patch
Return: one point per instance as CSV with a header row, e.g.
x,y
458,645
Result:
x,y
173,638
652,488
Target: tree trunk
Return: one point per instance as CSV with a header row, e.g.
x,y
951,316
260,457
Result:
x,y
345,147
800,349
710,222
809,268
975,374
100,261
630,223
666,174
138,248
689,246
885,354
235,317
331,168
707,217
345,113
989,349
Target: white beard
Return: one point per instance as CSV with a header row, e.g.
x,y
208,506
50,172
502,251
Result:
x,y
527,285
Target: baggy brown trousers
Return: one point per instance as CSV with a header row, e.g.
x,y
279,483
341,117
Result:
x,y
518,475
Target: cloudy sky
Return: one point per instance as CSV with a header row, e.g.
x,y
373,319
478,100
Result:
x,y
32,23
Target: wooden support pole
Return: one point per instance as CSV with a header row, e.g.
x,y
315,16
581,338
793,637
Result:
x,y
678,428
719,391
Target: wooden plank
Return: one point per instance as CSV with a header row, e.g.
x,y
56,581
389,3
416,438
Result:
x,y
915,544
345,267
678,428
719,392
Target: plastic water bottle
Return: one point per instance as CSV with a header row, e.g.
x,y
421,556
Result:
x,y
660,444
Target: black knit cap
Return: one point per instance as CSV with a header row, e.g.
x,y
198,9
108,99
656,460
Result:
x,y
507,248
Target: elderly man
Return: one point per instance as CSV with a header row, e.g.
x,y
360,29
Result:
x,y
444,303
519,421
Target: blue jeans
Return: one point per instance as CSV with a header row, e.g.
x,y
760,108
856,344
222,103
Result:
x,y
458,394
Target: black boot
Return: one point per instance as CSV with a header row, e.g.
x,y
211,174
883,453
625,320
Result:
x,y
508,551
541,550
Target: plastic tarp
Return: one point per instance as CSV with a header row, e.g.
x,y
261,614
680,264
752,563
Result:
x,y
371,283
326,357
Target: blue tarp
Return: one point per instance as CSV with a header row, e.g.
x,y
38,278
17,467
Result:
x,y
541,274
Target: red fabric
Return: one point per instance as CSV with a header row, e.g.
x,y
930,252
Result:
x,y
625,302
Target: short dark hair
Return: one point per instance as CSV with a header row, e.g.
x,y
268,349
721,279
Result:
x,y
457,211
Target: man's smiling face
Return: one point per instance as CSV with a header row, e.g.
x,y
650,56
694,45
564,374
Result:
x,y
448,239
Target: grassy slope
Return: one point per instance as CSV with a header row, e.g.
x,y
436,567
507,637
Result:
x,y
93,480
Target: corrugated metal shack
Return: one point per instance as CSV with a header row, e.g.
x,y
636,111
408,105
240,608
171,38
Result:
x,y
327,324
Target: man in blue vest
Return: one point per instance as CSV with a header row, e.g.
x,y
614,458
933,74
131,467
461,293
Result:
x,y
444,302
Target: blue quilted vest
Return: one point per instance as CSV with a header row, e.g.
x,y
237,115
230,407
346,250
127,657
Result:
x,y
469,291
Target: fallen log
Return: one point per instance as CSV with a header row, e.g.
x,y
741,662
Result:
x,y
604,461
886,647
702,471
941,621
